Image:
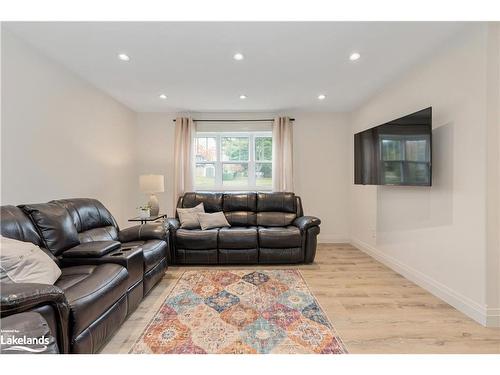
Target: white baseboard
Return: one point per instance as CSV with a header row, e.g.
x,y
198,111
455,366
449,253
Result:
x,y
332,238
481,314
493,317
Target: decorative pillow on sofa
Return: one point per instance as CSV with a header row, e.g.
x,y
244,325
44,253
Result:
x,y
189,216
215,220
24,262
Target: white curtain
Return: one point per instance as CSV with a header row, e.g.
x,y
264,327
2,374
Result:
x,y
282,154
185,129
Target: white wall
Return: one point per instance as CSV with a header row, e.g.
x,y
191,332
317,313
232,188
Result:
x,y
493,176
155,155
321,171
435,236
61,137
320,149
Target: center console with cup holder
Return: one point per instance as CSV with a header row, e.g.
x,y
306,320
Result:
x,y
130,257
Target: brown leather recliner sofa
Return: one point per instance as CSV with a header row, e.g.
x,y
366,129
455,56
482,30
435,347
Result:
x,y
105,272
266,228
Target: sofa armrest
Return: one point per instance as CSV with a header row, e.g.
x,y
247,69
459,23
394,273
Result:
x,y
20,297
306,222
94,249
29,324
152,231
173,223
23,297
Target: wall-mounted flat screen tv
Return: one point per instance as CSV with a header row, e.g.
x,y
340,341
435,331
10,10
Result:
x,y
398,152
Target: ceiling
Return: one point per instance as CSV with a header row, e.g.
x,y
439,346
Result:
x,y
286,65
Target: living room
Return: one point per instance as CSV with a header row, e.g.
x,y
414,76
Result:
x,y
250,187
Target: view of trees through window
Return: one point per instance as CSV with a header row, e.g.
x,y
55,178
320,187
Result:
x,y
233,161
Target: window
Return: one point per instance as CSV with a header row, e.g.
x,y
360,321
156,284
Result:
x,y
233,161
405,159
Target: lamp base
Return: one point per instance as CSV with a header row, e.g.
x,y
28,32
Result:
x,y
154,205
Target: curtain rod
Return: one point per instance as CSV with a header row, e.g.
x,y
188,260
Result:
x,y
247,120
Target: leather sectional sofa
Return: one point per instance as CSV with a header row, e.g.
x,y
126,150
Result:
x,y
105,272
265,228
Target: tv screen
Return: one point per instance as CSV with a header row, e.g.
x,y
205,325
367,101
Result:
x,y
398,152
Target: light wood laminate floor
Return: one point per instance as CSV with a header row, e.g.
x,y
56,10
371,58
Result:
x,y
374,309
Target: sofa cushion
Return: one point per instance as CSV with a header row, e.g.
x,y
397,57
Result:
x,y
17,225
108,233
54,224
88,214
279,237
240,202
275,219
276,202
153,251
238,238
241,218
90,291
92,220
211,201
196,239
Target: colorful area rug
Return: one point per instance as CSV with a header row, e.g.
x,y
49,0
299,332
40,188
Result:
x,y
240,312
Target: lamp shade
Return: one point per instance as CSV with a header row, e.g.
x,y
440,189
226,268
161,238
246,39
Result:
x,y
152,183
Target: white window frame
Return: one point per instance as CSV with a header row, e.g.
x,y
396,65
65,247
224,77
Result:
x,y
219,162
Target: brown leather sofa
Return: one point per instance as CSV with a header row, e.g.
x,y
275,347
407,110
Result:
x,y
105,272
265,228
27,324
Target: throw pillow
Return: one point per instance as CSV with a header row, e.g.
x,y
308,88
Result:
x,y
189,216
215,220
24,262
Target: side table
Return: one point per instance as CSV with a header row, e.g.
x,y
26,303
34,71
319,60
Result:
x,y
144,220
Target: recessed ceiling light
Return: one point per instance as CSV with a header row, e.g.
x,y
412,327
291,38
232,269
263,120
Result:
x,y
321,96
163,96
354,56
243,96
238,56
123,57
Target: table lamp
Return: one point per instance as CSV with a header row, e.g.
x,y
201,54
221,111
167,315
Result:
x,y
151,184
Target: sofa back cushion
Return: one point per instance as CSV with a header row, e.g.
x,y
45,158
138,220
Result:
x,y
91,219
276,202
14,223
275,219
276,209
240,209
212,202
54,224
